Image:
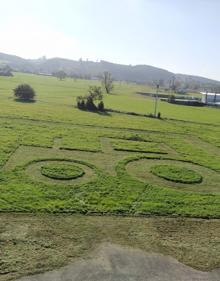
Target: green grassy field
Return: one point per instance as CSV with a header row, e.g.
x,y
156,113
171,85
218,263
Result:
x,y
114,154
115,151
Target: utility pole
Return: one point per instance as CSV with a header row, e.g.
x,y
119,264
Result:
x,y
215,96
156,101
206,96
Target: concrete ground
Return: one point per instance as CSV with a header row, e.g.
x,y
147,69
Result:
x,y
114,263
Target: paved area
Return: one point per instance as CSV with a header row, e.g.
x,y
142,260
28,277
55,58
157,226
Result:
x,y
115,263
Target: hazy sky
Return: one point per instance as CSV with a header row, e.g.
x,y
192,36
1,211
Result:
x,y
182,36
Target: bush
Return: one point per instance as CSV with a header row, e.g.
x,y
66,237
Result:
x,y
24,92
95,92
101,106
88,102
81,104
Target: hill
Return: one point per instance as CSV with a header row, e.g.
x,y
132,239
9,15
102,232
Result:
x,y
144,74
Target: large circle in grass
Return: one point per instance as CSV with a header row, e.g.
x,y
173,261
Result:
x,y
176,174
184,176
62,171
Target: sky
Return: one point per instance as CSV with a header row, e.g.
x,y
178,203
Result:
x,y
182,36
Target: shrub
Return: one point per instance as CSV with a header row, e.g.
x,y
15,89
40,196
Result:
x,y
101,106
81,102
24,92
83,105
88,102
95,93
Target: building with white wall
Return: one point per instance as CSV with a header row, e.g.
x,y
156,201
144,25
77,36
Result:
x,y
211,98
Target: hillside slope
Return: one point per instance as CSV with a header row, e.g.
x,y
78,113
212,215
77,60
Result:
x,y
90,69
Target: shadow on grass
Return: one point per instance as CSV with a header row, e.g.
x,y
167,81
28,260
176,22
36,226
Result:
x,y
103,113
24,101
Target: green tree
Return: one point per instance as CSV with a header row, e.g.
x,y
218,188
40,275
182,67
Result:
x,y
88,102
24,92
107,82
6,71
60,74
95,92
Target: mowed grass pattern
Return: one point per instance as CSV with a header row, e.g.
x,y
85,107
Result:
x,y
62,171
53,129
176,174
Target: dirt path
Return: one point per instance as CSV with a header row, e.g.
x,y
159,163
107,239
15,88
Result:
x,y
112,262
